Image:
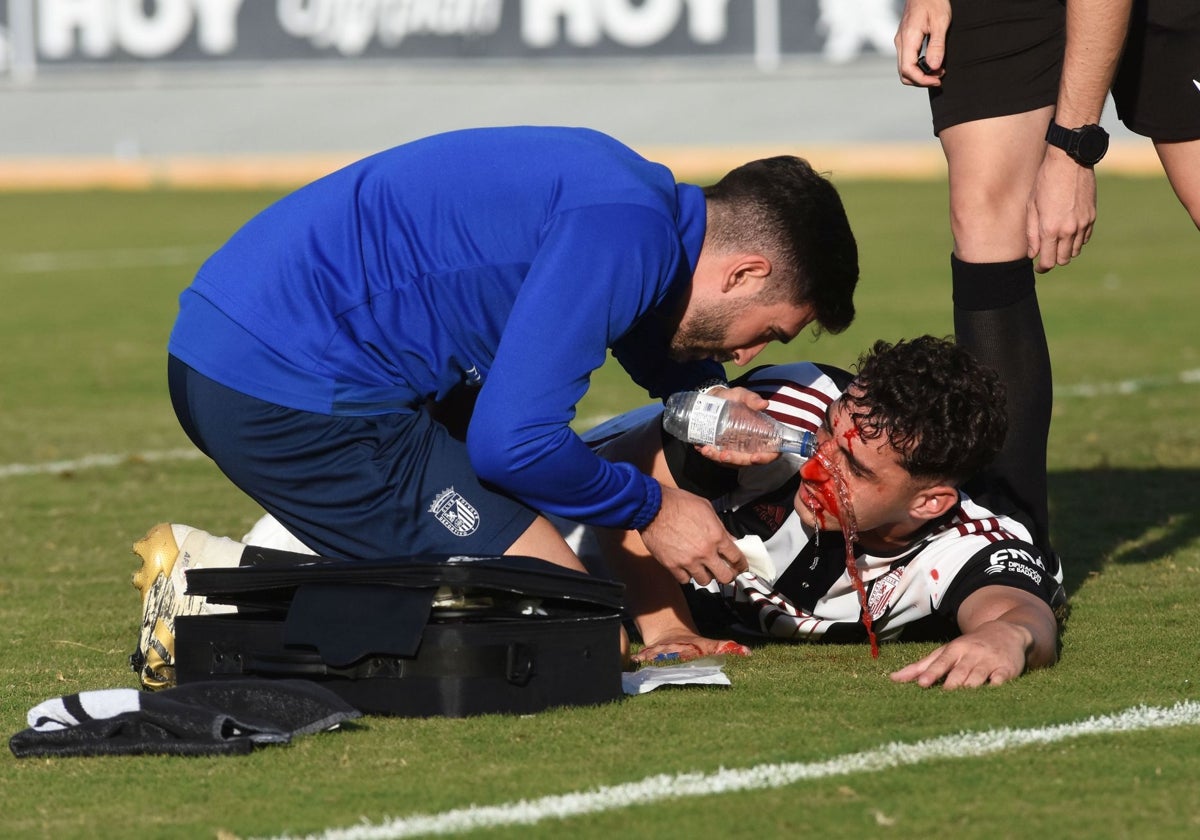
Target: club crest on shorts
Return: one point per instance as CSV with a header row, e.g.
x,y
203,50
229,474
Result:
x,y
455,512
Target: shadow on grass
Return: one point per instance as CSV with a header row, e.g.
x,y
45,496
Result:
x,y
1122,516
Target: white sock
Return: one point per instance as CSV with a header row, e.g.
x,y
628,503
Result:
x,y
268,532
201,550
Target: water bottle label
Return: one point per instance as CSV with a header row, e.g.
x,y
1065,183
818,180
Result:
x,y
702,421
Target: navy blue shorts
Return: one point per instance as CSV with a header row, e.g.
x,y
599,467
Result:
x,y
361,488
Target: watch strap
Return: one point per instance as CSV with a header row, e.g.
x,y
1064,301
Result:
x,y
1063,138
1080,144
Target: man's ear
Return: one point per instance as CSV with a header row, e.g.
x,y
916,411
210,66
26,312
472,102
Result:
x,y
746,273
932,502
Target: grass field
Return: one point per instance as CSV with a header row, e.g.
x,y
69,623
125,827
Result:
x,y
88,283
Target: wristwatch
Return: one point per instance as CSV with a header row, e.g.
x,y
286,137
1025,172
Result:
x,y
1086,145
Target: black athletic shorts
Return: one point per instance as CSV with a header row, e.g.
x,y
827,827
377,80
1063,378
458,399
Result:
x,y
1002,57
1157,89
1005,57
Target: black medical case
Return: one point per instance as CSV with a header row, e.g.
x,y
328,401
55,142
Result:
x,y
433,636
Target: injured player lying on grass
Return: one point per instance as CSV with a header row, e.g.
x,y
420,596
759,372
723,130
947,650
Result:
x,y
872,539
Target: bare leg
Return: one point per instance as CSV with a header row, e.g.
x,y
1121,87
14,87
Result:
x,y
1181,160
652,595
992,165
542,540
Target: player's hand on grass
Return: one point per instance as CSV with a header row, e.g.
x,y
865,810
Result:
x,y
684,647
690,542
992,654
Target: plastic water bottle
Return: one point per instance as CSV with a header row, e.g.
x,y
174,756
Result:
x,y
704,419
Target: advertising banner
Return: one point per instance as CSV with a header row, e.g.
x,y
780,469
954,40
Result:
x,y
40,34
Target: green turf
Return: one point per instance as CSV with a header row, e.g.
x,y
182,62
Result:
x,y
88,283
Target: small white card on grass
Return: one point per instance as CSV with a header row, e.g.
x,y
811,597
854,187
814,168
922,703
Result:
x,y
708,670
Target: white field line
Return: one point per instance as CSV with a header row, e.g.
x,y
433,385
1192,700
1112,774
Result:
x,y
45,261
1128,386
1125,387
661,788
92,461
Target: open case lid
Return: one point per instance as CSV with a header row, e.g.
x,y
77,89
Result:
x,y
269,578
351,609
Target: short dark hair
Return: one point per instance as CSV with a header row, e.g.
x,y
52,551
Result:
x,y
794,216
941,409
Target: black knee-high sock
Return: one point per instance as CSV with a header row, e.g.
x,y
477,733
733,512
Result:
x,y
997,318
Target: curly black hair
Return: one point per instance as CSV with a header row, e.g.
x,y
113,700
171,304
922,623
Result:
x,y
941,409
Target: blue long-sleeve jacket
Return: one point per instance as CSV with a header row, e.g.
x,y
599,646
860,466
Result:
x,y
510,258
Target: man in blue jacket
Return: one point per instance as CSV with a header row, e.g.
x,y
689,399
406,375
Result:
x,y
322,356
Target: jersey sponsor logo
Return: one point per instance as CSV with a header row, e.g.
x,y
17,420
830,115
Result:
x,y
881,592
458,515
1018,560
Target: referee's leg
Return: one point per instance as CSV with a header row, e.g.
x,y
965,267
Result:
x,y
1181,160
992,165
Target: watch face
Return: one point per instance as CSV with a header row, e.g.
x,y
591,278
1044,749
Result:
x,y
1093,143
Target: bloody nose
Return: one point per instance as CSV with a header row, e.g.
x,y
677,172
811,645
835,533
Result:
x,y
814,470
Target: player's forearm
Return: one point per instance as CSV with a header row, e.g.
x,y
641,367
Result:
x,y
1096,32
1036,626
1011,620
